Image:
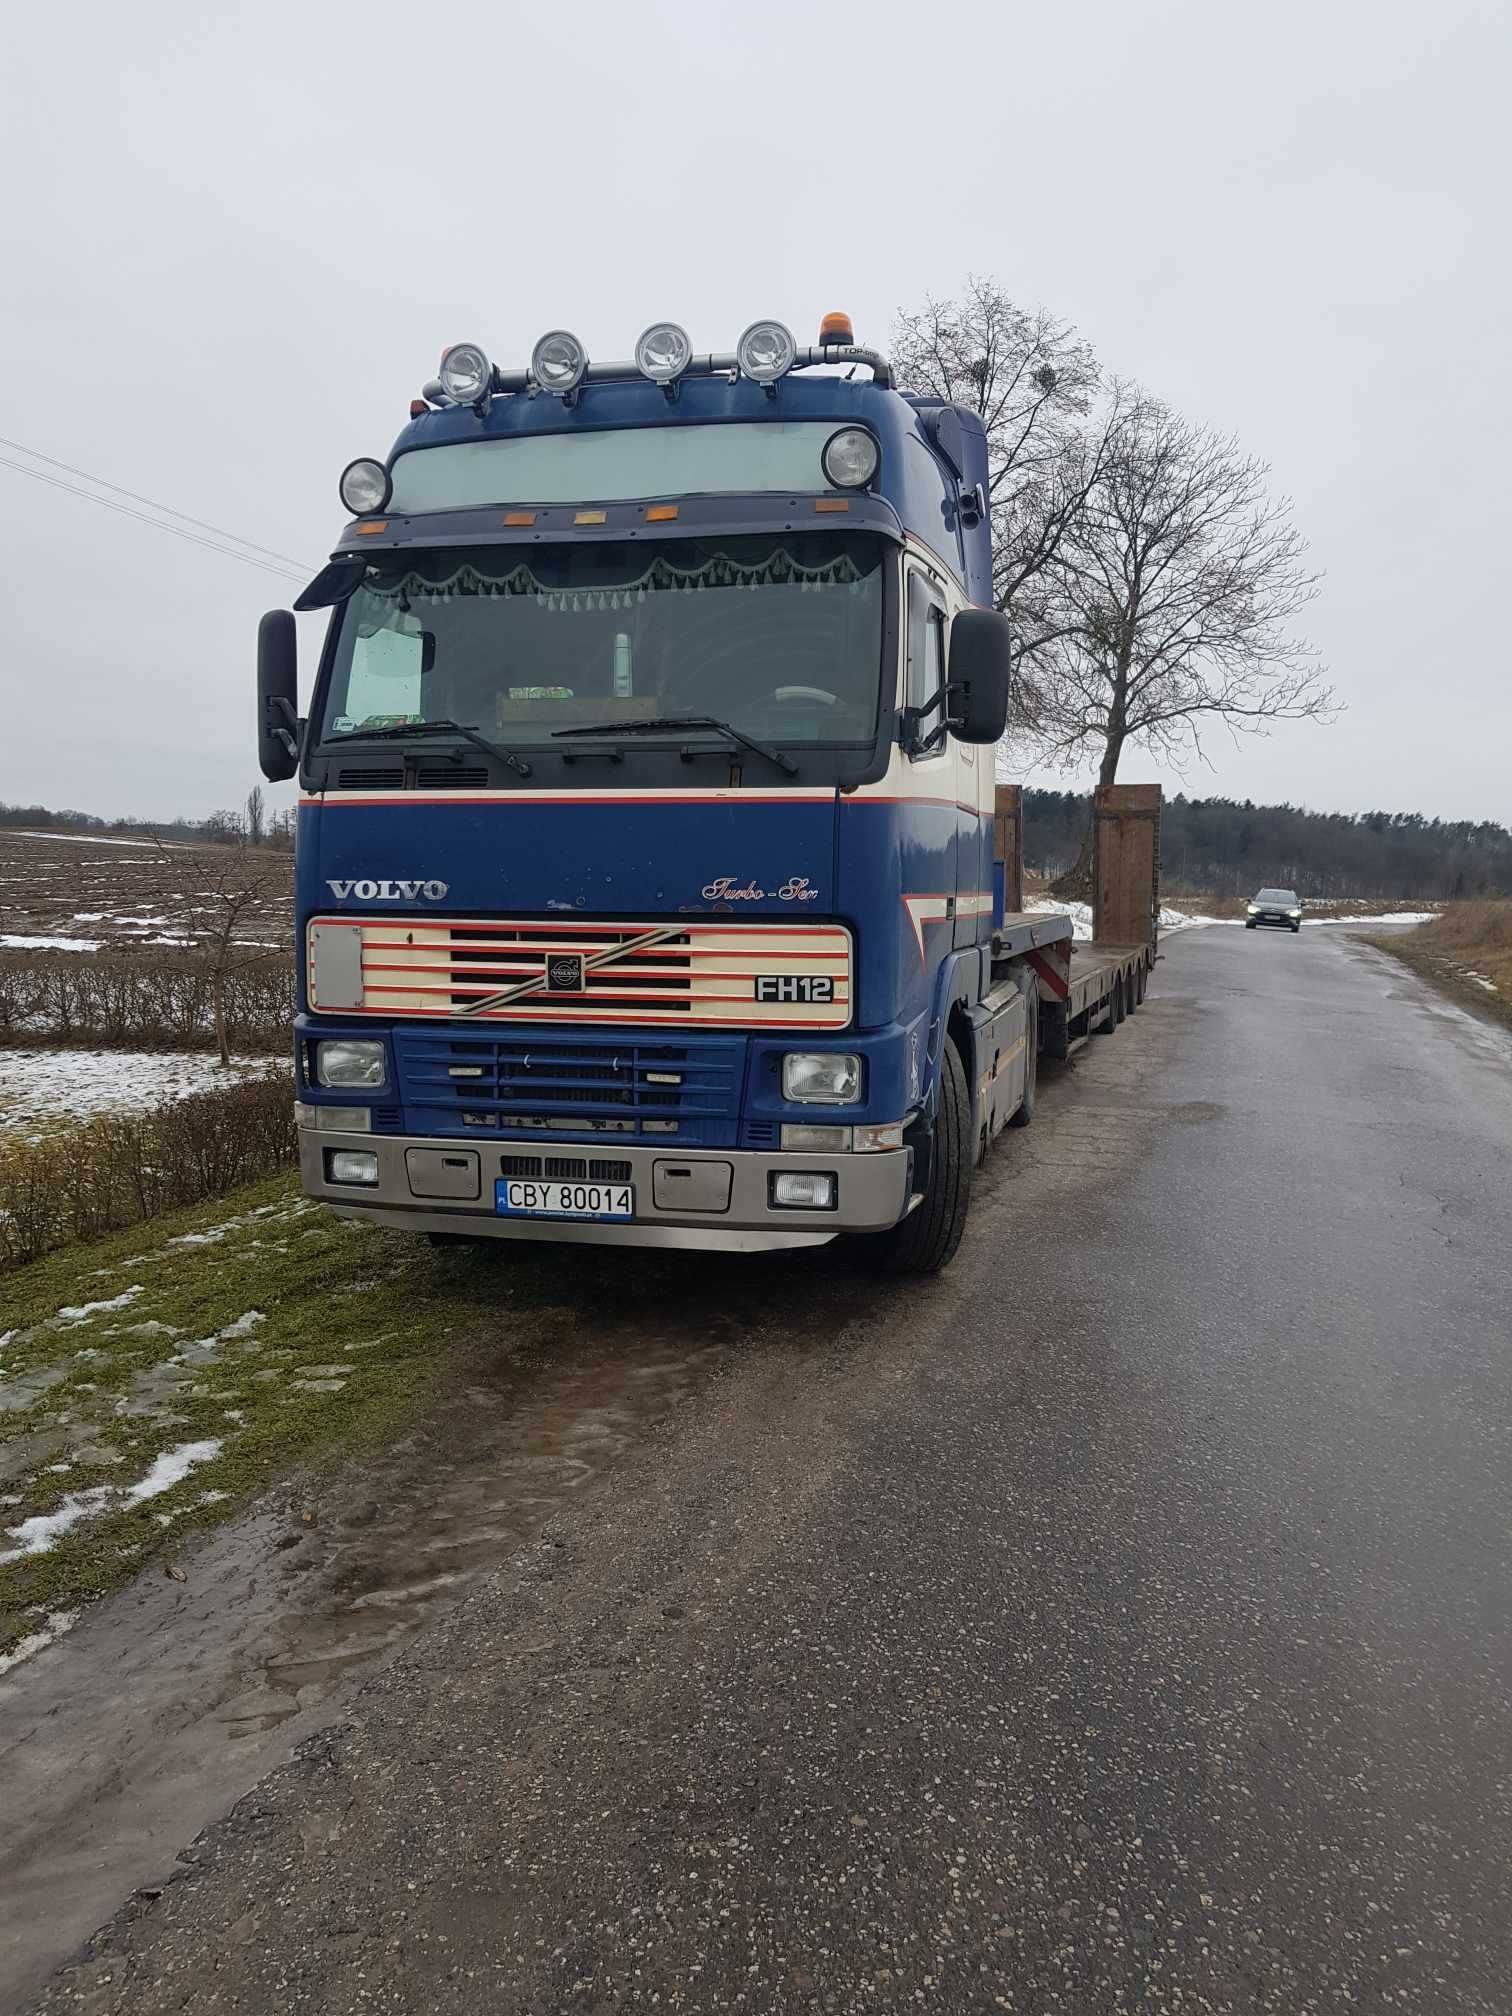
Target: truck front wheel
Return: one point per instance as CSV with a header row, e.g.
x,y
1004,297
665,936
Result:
x,y
928,1237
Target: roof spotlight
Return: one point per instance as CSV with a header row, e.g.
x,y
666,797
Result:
x,y
663,352
466,374
364,486
766,351
558,362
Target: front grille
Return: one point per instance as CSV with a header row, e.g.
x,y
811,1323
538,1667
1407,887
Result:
x,y
702,975
450,777
386,779
541,1082
574,1169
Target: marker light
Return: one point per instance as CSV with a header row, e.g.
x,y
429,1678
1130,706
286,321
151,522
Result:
x,y
850,458
766,351
663,352
558,361
364,486
466,374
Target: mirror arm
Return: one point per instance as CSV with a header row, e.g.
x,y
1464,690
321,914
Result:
x,y
913,717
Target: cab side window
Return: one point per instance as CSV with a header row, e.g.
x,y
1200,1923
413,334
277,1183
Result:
x,y
926,654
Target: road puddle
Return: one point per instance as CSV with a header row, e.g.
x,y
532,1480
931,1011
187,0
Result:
x,y
172,1698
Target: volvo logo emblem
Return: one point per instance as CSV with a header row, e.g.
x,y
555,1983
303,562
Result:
x,y
387,892
564,973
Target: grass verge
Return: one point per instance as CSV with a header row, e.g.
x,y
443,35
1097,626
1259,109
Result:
x,y
152,1382
1466,953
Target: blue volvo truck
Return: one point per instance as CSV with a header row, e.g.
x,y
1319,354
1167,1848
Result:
x,y
645,880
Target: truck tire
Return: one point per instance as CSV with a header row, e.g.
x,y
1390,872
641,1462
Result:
x,y
928,1237
1025,1111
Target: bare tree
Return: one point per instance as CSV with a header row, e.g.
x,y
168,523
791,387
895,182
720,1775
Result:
x,y
1170,598
1032,379
255,819
225,829
234,884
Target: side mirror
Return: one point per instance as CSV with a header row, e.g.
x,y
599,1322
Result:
x,y
277,697
981,662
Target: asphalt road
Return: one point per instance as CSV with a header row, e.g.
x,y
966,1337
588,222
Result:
x,y
1121,1623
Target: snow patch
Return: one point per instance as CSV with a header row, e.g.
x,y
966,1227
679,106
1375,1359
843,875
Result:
x,y
80,1312
1384,917
58,1622
41,1533
49,1084
19,942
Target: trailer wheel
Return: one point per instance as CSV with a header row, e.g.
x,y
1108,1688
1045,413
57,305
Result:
x,y
928,1237
1025,1112
1118,1001
1142,980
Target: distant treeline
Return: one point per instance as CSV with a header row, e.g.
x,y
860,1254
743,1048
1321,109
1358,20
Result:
x,y
220,828
1232,848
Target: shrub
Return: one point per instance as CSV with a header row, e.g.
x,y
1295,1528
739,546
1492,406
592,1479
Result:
x,y
139,1000
120,1168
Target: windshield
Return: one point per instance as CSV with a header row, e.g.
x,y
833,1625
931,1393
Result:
x,y
1276,896
778,634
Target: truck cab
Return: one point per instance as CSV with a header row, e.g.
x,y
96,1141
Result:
x,y
644,885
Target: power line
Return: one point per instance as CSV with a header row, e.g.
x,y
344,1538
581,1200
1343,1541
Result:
x,y
229,552
136,497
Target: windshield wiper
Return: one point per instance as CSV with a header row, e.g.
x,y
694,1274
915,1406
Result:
x,y
402,732
670,723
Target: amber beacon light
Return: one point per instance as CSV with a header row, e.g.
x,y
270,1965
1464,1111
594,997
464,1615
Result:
x,y
836,328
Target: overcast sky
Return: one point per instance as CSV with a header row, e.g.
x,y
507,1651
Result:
x,y
235,245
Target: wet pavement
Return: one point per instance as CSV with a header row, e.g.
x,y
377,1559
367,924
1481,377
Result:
x,y
1120,1623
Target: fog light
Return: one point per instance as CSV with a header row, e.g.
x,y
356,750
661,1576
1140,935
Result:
x,y
349,1064
351,1165
827,1078
803,1190
817,1140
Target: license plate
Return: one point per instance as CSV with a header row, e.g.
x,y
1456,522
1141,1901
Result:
x,y
515,1197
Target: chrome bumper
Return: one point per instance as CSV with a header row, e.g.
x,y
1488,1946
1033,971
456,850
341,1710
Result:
x,y
428,1183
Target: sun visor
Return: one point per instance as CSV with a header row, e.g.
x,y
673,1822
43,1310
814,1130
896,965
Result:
x,y
332,584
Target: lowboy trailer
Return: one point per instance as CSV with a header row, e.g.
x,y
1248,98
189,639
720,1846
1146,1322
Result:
x,y
653,883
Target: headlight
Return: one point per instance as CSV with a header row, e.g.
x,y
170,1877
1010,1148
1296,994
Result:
x,y
364,486
828,1079
558,361
1251,909
345,1065
1294,913
803,1190
351,1165
466,374
663,352
766,351
850,458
